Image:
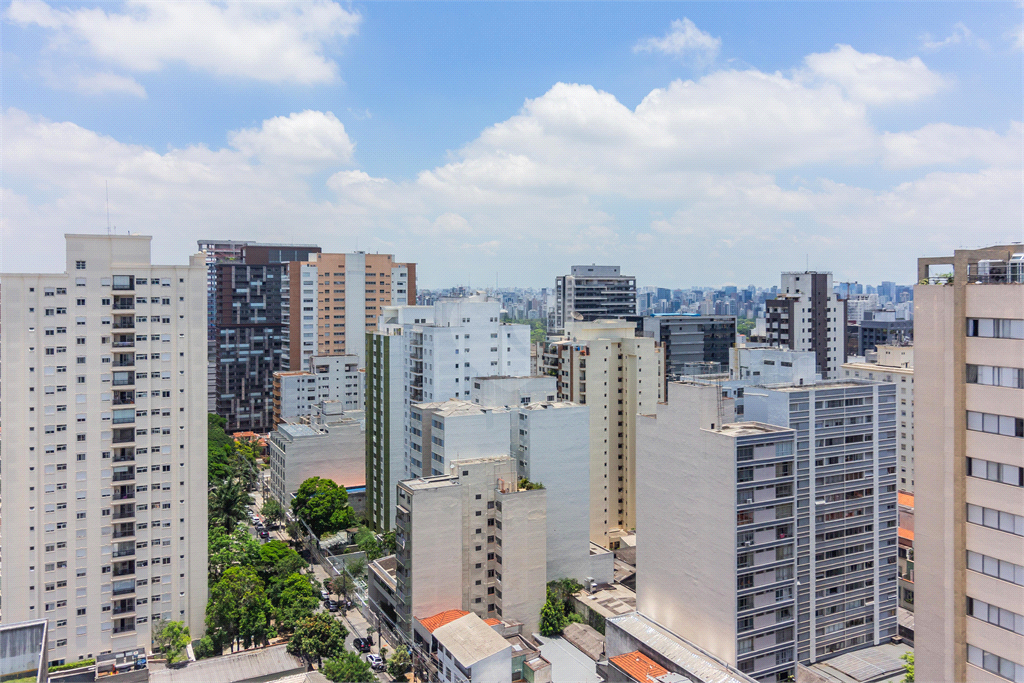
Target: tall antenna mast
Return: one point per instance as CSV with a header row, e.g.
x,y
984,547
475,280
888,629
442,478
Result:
x,y
106,188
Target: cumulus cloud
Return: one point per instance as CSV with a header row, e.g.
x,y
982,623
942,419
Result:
x,y
1016,36
875,79
307,138
684,40
738,166
960,35
274,42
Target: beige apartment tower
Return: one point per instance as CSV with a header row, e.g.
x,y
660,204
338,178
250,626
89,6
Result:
x,y
104,447
605,366
969,517
335,299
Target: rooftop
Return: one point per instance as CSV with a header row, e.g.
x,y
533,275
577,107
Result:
x,y
824,384
454,407
470,640
265,664
751,428
442,618
679,652
297,430
868,665
639,666
905,499
613,601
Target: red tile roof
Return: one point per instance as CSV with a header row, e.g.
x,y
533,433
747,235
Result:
x,y
905,533
492,621
639,667
440,619
905,499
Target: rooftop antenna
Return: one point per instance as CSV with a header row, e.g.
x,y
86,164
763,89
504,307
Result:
x,y
106,189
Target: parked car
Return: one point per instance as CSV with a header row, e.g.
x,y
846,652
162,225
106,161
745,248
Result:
x,y
362,644
264,534
331,606
375,662
325,596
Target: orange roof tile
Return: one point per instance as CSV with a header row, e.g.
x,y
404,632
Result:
x,y
440,619
906,499
639,667
492,621
905,533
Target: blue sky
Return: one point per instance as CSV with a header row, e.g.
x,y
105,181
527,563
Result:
x,y
688,142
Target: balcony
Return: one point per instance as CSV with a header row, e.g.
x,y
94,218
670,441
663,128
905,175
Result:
x,y
124,625
124,511
124,323
124,435
124,303
124,360
124,455
124,493
127,552
124,378
123,341
126,474
124,568
124,587
124,531
124,398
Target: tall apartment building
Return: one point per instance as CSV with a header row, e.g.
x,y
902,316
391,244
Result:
x,y
895,364
808,316
104,446
690,338
471,539
327,378
549,442
969,492
717,531
340,297
253,317
603,365
594,292
427,354
830,486
214,251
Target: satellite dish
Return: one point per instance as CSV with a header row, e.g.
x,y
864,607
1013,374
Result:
x,y
576,315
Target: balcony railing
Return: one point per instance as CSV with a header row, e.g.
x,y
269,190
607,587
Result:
x,y
124,324
123,476
126,628
124,533
124,514
124,553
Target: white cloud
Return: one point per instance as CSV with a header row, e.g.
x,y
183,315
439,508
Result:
x,y
712,166
1016,36
875,79
102,83
307,138
683,40
960,35
942,143
275,42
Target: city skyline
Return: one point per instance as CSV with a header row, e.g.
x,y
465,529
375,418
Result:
x,y
538,136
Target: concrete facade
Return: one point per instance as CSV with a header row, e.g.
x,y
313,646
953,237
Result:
x,y
617,364
331,445
327,378
692,339
594,292
105,494
969,573
337,298
471,540
433,354
716,550
808,316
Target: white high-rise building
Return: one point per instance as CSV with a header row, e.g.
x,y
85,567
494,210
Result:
x,y
104,446
807,315
328,378
427,354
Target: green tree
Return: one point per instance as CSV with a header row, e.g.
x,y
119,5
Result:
x,y
908,666
294,531
273,511
340,585
348,668
552,617
323,505
228,505
172,638
277,559
239,607
389,542
206,647
296,600
400,663
318,637
356,567
372,548
220,449
244,464
230,550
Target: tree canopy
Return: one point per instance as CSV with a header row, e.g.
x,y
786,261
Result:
x,y
323,505
228,504
230,550
319,637
296,599
272,511
348,668
172,637
239,608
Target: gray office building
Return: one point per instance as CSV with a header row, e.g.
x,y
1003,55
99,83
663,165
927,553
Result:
x,y
594,292
689,338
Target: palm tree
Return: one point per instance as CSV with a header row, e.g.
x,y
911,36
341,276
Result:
x,y
228,503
